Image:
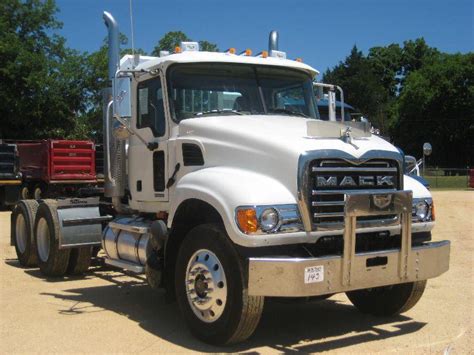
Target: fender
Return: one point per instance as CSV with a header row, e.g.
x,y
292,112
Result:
x,y
419,191
227,188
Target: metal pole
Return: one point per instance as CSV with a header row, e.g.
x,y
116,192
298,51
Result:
x,y
423,164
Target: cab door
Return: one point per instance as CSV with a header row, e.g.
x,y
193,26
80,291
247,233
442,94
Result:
x,y
148,168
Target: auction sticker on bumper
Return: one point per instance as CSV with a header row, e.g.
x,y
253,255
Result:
x,y
313,274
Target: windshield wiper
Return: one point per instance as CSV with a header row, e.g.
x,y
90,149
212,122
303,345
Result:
x,y
288,112
233,112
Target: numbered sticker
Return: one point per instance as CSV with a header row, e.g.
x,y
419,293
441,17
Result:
x,y
314,274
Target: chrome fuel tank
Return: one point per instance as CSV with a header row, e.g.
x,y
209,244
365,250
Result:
x,y
127,238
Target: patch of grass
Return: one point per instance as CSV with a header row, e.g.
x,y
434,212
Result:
x,y
448,182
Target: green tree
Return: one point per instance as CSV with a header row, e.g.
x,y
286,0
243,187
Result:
x,y
95,79
173,39
362,88
169,42
437,106
207,46
41,86
386,64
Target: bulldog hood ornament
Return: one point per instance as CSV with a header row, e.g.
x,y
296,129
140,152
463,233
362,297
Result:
x,y
346,136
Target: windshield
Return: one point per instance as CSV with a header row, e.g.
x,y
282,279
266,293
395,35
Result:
x,y
200,89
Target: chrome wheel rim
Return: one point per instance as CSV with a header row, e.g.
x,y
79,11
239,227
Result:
x,y
21,234
42,240
206,285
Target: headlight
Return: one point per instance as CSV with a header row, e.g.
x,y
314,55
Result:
x,y
268,219
421,211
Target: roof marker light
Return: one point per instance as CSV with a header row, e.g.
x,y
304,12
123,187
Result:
x,y
230,51
177,49
262,54
247,52
190,46
299,60
277,54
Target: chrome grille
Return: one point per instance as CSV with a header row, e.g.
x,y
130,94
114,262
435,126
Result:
x,y
336,176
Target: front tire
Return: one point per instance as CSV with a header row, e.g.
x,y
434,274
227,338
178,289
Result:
x,y
211,288
51,260
22,224
387,301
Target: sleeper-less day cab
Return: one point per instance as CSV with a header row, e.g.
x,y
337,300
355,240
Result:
x,y
225,193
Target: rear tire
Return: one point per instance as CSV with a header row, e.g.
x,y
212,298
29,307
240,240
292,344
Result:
x,y
218,309
51,260
387,301
38,193
22,224
79,260
24,193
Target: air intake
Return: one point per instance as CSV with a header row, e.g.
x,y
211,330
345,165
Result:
x,y
192,155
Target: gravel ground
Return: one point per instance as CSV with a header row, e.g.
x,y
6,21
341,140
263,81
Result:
x,y
107,311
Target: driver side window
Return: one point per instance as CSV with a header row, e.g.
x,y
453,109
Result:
x,y
150,109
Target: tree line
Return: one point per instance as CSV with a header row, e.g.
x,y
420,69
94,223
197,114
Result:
x,y
413,93
46,88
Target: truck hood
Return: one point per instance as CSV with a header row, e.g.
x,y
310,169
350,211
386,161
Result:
x,y
270,145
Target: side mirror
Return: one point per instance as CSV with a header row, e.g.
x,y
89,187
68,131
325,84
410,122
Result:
x,y
123,106
427,149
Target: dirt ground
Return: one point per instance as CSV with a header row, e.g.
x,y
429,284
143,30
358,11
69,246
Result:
x,y
107,311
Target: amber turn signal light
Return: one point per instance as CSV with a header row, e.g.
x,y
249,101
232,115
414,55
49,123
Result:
x,y
247,220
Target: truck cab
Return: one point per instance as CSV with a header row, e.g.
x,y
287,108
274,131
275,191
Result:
x,y
227,195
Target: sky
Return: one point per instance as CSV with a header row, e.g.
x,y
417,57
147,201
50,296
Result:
x,y
322,33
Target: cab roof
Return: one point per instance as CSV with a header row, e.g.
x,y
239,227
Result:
x,y
150,63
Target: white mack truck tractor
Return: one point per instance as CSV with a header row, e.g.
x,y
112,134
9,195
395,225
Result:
x,y
225,193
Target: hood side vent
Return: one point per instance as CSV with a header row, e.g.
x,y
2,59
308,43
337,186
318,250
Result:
x,y
192,155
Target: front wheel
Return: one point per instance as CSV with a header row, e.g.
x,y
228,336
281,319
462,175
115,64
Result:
x,y
387,300
211,288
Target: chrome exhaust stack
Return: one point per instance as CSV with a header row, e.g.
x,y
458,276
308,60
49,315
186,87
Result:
x,y
273,41
115,154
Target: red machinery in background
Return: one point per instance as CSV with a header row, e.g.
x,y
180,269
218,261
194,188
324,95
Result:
x,y
56,167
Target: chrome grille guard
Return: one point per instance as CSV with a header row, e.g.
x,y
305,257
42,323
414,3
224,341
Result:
x,y
363,164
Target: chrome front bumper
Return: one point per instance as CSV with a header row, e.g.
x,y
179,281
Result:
x,y
299,277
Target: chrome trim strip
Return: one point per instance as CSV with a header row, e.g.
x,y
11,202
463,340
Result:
x,y
328,214
327,203
353,169
129,228
121,264
342,192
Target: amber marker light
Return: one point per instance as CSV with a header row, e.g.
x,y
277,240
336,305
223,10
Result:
x,y
432,211
264,54
299,60
177,49
247,220
231,51
248,52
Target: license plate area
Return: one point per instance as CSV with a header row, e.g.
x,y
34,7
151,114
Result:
x,y
376,261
